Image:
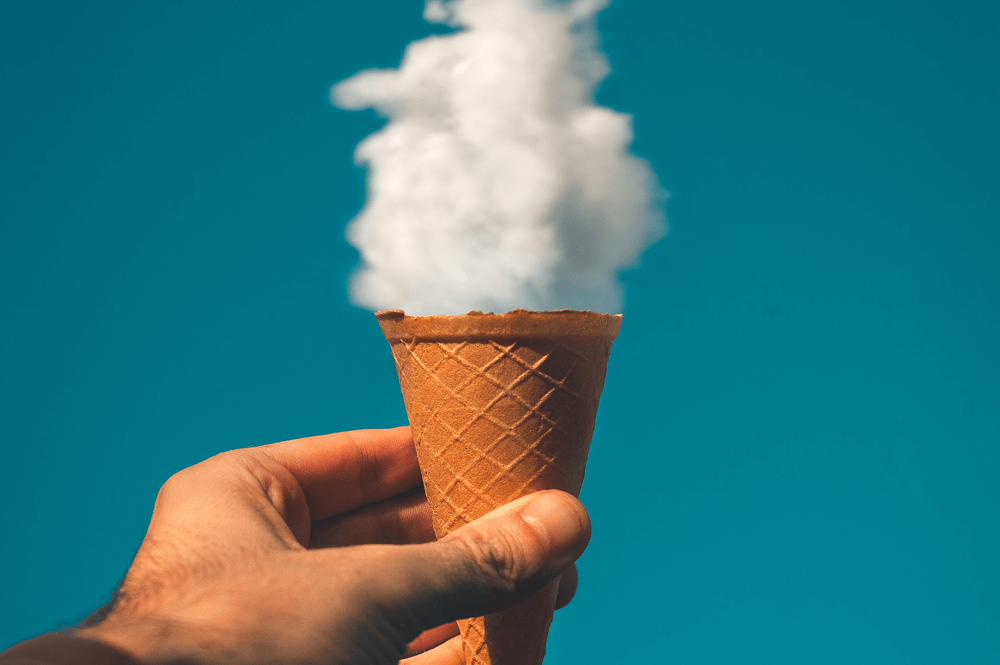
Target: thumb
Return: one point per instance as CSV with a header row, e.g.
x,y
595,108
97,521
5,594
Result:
x,y
493,562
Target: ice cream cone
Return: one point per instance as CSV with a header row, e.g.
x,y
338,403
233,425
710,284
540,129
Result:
x,y
500,405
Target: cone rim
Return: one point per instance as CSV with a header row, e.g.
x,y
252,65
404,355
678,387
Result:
x,y
516,324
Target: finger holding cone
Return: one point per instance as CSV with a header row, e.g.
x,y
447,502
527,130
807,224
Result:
x,y
500,406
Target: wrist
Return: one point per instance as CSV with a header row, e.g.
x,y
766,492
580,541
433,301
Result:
x,y
151,641
139,641
65,649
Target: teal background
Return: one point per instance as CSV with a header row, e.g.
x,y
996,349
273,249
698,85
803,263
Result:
x,y
796,456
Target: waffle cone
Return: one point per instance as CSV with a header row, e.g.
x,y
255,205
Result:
x,y
500,405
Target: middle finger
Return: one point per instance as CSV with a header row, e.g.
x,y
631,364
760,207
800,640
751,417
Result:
x,y
401,520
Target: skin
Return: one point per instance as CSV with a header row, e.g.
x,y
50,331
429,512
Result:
x,y
320,550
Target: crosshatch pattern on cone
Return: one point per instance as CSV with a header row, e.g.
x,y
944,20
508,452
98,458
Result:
x,y
516,635
496,420
500,406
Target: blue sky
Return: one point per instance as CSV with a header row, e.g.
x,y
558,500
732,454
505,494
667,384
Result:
x,y
796,455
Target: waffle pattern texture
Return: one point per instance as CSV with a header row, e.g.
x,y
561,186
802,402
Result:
x,y
494,418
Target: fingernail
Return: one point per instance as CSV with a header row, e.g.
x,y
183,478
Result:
x,y
565,527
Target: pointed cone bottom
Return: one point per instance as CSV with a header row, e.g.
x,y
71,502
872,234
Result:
x,y
500,405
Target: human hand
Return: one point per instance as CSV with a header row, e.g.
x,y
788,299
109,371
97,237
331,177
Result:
x,y
320,550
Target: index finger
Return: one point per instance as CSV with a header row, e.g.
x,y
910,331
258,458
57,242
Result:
x,y
343,471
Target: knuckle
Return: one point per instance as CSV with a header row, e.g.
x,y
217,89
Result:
x,y
189,479
368,479
174,483
493,556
